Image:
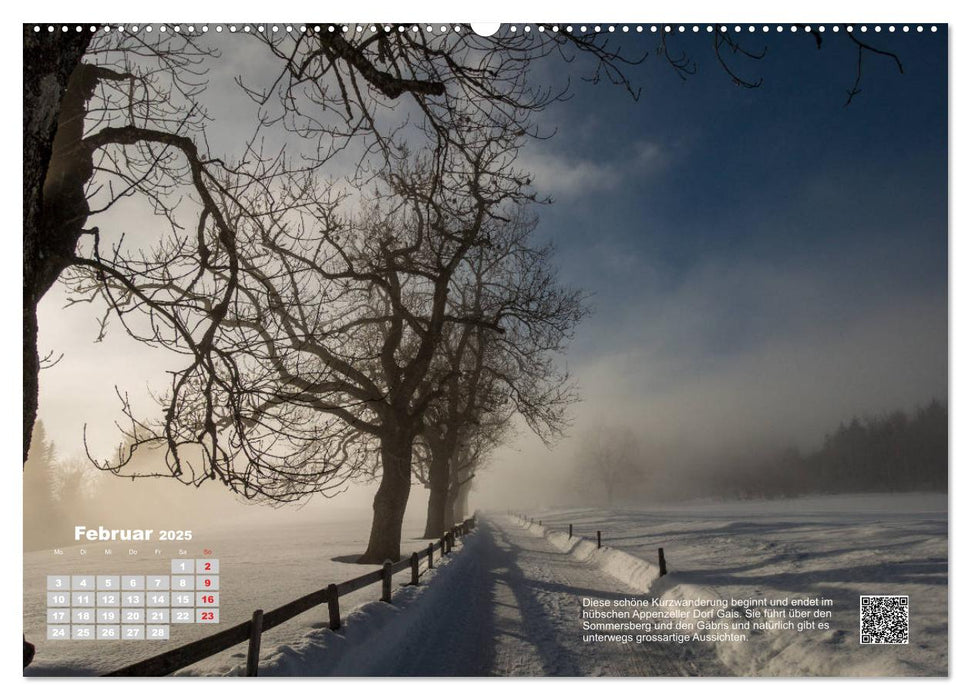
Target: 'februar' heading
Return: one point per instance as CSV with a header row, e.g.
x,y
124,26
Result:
x,y
103,534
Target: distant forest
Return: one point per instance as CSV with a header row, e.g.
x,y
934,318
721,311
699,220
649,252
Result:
x,y
61,491
49,491
895,451
892,452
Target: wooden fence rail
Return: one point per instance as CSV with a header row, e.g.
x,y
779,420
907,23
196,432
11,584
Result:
x,y
252,630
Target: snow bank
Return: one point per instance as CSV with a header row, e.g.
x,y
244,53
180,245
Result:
x,y
643,576
838,547
626,568
374,633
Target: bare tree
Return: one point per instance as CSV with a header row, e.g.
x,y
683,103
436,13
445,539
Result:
x,y
427,311
466,414
608,454
130,105
116,114
336,326
181,277
487,376
469,460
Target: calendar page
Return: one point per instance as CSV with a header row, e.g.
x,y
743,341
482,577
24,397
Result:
x,y
534,349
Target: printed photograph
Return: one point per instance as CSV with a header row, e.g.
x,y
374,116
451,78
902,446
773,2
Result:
x,y
450,350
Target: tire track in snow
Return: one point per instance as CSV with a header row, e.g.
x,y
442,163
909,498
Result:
x,y
519,614
551,585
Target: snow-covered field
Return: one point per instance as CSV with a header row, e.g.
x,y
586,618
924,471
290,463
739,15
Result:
x,y
260,567
508,603
839,547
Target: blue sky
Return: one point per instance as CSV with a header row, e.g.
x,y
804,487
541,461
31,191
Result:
x,y
763,263
781,172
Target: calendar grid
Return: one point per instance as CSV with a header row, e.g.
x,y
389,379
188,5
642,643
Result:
x,y
132,607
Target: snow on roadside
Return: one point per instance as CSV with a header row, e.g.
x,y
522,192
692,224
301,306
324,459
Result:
x,y
838,547
644,577
372,634
636,573
780,652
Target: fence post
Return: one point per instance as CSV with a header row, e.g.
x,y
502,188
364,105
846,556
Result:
x,y
444,545
431,551
571,531
661,564
255,634
414,568
334,606
386,581
598,539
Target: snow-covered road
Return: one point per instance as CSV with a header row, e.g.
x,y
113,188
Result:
x,y
518,613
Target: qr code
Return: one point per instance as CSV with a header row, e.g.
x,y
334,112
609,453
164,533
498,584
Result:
x,y
884,619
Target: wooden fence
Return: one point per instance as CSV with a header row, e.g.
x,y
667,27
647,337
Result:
x,y
661,563
251,631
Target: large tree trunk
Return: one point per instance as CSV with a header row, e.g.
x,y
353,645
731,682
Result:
x,y
392,497
49,62
457,502
450,502
439,476
460,511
